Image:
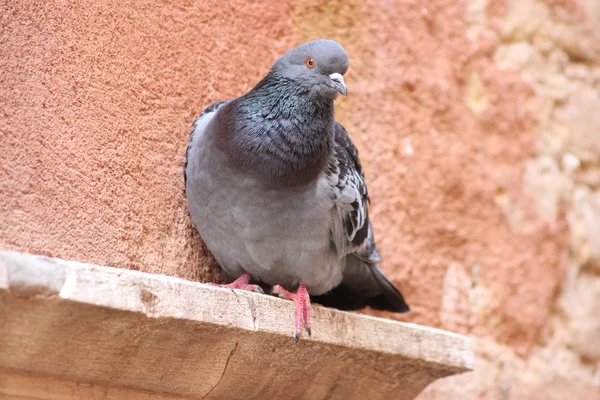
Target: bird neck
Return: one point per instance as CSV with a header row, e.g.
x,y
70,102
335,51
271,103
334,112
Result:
x,y
281,132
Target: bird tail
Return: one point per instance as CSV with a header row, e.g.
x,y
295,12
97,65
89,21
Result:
x,y
363,285
390,298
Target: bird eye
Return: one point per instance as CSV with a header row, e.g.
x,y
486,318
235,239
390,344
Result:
x,y
310,63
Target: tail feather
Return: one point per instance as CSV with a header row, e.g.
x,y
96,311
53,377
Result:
x,y
390,298
364,285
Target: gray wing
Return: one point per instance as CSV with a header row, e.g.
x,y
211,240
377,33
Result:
x,y
352,233
363,284
210,109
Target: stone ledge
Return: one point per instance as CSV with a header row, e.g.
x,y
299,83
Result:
x,y
74,328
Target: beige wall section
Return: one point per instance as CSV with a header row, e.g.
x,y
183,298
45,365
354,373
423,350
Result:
x,y
468,115
555,47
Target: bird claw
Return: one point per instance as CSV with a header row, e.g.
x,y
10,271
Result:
x,y
241,283
280,292
247,288
302,300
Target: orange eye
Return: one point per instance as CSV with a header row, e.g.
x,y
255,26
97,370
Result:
x,y
310,63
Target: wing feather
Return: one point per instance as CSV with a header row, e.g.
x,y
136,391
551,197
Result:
x,y
352,231
352,234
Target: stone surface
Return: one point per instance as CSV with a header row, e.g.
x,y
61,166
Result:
x,y
581,305
105,327
554,45
500,374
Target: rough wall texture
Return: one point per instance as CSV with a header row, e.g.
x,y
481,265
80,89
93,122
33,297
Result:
x,y
478,125
555,48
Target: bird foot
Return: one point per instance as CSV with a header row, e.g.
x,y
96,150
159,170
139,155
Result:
x,y
241,283
302,300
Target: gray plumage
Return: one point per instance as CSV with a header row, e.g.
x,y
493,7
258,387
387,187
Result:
x,y
275,186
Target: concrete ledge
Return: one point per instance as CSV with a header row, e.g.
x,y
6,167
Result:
x,y
96,332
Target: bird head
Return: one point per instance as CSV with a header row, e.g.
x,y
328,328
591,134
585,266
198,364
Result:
x,y
317,67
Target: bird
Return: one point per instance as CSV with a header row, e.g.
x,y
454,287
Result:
x,y
276,190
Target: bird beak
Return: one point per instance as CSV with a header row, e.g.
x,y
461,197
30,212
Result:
x,y
338,83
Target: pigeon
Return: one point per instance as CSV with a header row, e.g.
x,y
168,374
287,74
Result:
x,y
277,192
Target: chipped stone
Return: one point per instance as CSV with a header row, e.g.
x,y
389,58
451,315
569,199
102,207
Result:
x,y
582,118
584,222
477,99
455,312
515,55
581,303
589,177
547,185
570,163
579,72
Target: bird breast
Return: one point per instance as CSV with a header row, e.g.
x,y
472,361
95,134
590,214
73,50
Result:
x,y
280,236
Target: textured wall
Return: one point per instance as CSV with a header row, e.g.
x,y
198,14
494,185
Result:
x,y
478,127
555,48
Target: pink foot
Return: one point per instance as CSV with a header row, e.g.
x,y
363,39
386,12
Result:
x,y
302,300
241,283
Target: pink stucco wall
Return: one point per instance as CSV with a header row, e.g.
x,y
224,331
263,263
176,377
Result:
x,y
98,97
